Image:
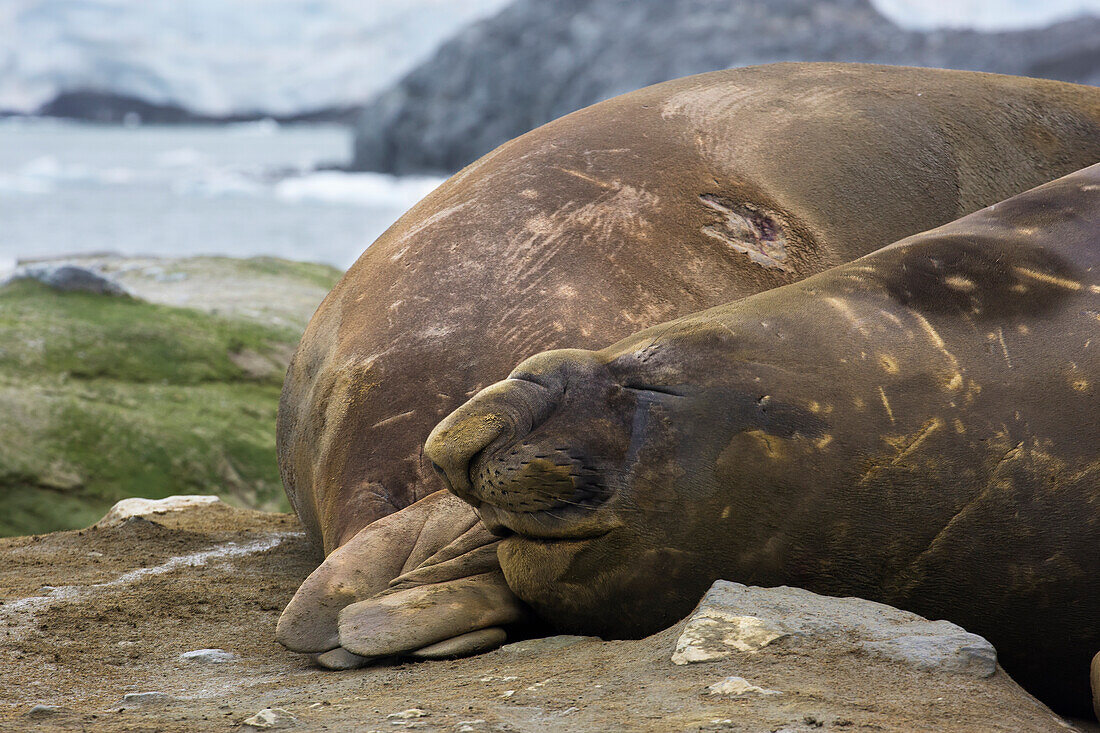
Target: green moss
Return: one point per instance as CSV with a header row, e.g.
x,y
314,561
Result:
x,y
106,398
91,336
312,272
30,509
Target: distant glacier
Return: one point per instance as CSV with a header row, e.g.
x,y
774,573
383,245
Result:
x,y
281,58
220,57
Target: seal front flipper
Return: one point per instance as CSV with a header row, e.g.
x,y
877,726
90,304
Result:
x,y
447,545
340,658
455,618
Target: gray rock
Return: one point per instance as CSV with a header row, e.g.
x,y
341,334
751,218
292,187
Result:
x,y
44,711
270,719
537,60
136,699
735,618
69,279
209,656
938,645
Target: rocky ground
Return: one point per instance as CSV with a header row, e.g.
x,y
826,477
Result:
x,y
104,629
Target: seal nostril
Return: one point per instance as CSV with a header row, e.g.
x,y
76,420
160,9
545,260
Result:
x,y
438,469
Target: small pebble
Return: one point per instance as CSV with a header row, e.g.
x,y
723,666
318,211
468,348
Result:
x,y
208,656
738,686
469,726
271,719
131,699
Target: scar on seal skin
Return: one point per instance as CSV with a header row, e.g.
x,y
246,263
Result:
x,y
725,444
564,238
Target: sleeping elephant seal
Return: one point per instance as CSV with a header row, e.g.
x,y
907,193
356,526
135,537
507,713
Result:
x,y
918,427
661,202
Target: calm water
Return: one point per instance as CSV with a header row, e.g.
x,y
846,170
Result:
x,y
237,190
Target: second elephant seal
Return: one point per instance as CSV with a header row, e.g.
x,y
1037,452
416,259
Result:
x,y
918,427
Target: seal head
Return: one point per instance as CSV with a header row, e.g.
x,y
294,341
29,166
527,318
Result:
x,y
603,471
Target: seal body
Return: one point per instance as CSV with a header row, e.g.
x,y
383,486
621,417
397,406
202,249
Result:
x,y
917,427
659,203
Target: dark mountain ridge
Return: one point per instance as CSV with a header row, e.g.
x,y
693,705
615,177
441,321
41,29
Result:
x,y
538,60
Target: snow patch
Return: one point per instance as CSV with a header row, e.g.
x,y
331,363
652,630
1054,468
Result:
x,y
984,15
366,189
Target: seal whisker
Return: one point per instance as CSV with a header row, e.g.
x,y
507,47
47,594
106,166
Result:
x,y
563,501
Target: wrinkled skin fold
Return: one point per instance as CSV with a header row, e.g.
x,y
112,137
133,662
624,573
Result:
x,y
340,612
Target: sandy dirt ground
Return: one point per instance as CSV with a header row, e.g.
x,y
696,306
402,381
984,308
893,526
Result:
x,y
90,617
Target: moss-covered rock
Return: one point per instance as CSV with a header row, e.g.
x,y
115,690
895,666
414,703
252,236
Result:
x,y
109,397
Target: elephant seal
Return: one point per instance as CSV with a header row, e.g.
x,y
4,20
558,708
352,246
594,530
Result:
x,y
652,205
1096,685
917,427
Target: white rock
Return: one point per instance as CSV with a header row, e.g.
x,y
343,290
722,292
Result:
x,y
209,656
137,507
713,633
469,726
738,686
407,714
719,627
271,719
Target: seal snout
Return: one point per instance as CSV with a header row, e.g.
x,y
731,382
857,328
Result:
x,y
512,449
495,417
